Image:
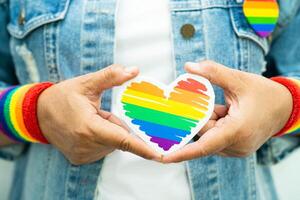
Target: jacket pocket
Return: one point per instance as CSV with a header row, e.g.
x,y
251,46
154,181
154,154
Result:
x,y
244,30
251,48
33,26
27,15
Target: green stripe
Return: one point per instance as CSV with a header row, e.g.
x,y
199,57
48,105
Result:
x,y
157,117
7,114
262,20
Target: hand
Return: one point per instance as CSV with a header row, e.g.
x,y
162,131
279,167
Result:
x,y
257,107
70,118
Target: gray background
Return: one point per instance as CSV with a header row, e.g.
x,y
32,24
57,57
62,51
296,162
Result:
x,y
286,173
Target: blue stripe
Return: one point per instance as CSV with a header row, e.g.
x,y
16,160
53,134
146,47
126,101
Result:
x,y
3,122
156,130
263,27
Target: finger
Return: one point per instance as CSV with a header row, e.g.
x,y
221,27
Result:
x,y
216,73
212,142
112,135
106,78
113,119
220,110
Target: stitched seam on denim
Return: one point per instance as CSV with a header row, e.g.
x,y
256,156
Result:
x,y
189,176
204,35
71,181
213,177
188,9
205,3
50,45
252,177
49,150
247,56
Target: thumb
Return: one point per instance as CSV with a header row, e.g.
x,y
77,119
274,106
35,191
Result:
x,y
216,73
109,77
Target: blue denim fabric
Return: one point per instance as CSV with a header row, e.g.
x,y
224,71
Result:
x,y
61,39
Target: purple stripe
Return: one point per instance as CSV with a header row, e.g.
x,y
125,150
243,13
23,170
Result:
x,y
1,96
263,34
2,117
163,143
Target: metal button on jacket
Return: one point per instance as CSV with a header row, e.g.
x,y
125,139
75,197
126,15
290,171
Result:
x,y
187,31
21,19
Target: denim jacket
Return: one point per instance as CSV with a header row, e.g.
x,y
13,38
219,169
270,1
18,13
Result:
x,y
53,40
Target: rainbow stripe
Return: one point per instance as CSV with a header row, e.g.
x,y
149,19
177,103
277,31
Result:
x,y
262,15
292,127
295,124
12,122
166,120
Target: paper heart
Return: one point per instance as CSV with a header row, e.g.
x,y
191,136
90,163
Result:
x,y
262,15
167,117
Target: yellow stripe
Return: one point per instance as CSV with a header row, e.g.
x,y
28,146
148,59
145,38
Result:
x,y
254,12
295,127
13,114
161,104
296,81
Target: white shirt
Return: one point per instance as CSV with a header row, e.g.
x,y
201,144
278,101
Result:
x,y
143,39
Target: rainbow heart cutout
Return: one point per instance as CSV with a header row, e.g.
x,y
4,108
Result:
x,y
262,15
167,117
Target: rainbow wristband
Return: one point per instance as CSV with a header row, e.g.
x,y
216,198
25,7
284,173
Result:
x,y
292,127
18,113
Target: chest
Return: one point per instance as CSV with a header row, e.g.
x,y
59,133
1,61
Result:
x,y
56,40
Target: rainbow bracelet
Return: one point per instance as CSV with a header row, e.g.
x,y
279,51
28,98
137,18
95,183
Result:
x,y
18,113
292,127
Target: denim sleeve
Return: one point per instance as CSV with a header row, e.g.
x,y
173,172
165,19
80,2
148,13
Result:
x,y
283,60
7,75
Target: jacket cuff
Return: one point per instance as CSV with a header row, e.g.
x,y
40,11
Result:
x,y
293,124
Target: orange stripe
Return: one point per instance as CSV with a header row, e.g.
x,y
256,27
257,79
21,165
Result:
x,y
192,95
19,115
266,5
147,88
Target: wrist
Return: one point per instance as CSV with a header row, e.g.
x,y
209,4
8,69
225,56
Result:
x,y
292,125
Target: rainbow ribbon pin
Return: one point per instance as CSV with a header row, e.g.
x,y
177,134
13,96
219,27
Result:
x,y
262,15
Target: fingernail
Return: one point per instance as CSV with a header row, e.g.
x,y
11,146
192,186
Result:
x,y
131,70
192,65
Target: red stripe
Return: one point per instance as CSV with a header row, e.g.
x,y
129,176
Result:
x,y
295,91
29,109
192,86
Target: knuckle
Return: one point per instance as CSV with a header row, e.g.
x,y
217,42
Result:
x,y
111,74
209,63
82,132
124,144
146,156
108,73
202,151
